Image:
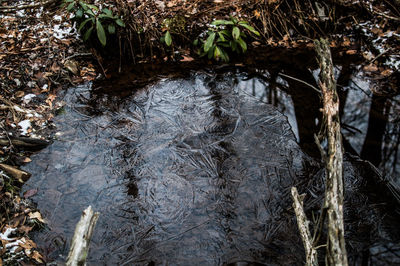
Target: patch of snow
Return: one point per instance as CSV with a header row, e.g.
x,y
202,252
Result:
x,y
25,124
61,33
7,233
17,82
57,18
27,98
20,13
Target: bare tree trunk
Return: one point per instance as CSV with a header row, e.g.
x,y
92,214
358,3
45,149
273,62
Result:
x,y
333,204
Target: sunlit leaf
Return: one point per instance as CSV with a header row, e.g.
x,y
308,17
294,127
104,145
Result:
x,y
168,38
221,22
236,33
101,34
217,52
250,28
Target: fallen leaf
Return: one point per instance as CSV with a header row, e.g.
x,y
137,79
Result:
x,y
370,68
386,72
26,160
36,256
30,193
50,99
351,52
187,59
72,66
26,243
36,215
19,94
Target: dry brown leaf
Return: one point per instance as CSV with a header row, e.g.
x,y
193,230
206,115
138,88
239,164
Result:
x,y
36,215
36,256
50,99
187,59
386,72
346,41
351,52
19,94
26,243
370,68
26,160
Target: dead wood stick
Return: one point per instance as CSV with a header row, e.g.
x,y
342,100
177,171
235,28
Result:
x,y
302,223
81,239
19,175
28,143
333,203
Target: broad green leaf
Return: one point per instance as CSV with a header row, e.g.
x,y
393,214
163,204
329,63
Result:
x,y
87,34
90,12
233,46
234,20
209,42
83,5
224,44
120,22
224,55
71,6
226,33
111,28
84,23
79,13
69,1
243,23
242,44
196,42
221,22
236,33
107,11
250,28
221,36
101,34
211,52
168,38
105,16
93,7
217,52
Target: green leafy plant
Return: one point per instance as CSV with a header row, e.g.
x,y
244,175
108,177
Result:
x,y
90,18
167,38
225,35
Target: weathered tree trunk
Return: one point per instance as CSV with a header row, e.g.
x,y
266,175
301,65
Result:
x,y
81,239
333,204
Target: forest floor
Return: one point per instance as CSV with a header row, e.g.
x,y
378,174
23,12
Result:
x,y
41,54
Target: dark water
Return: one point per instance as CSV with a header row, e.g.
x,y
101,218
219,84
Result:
x,y
197,171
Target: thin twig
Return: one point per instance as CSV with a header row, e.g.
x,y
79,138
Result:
x,y
301,81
